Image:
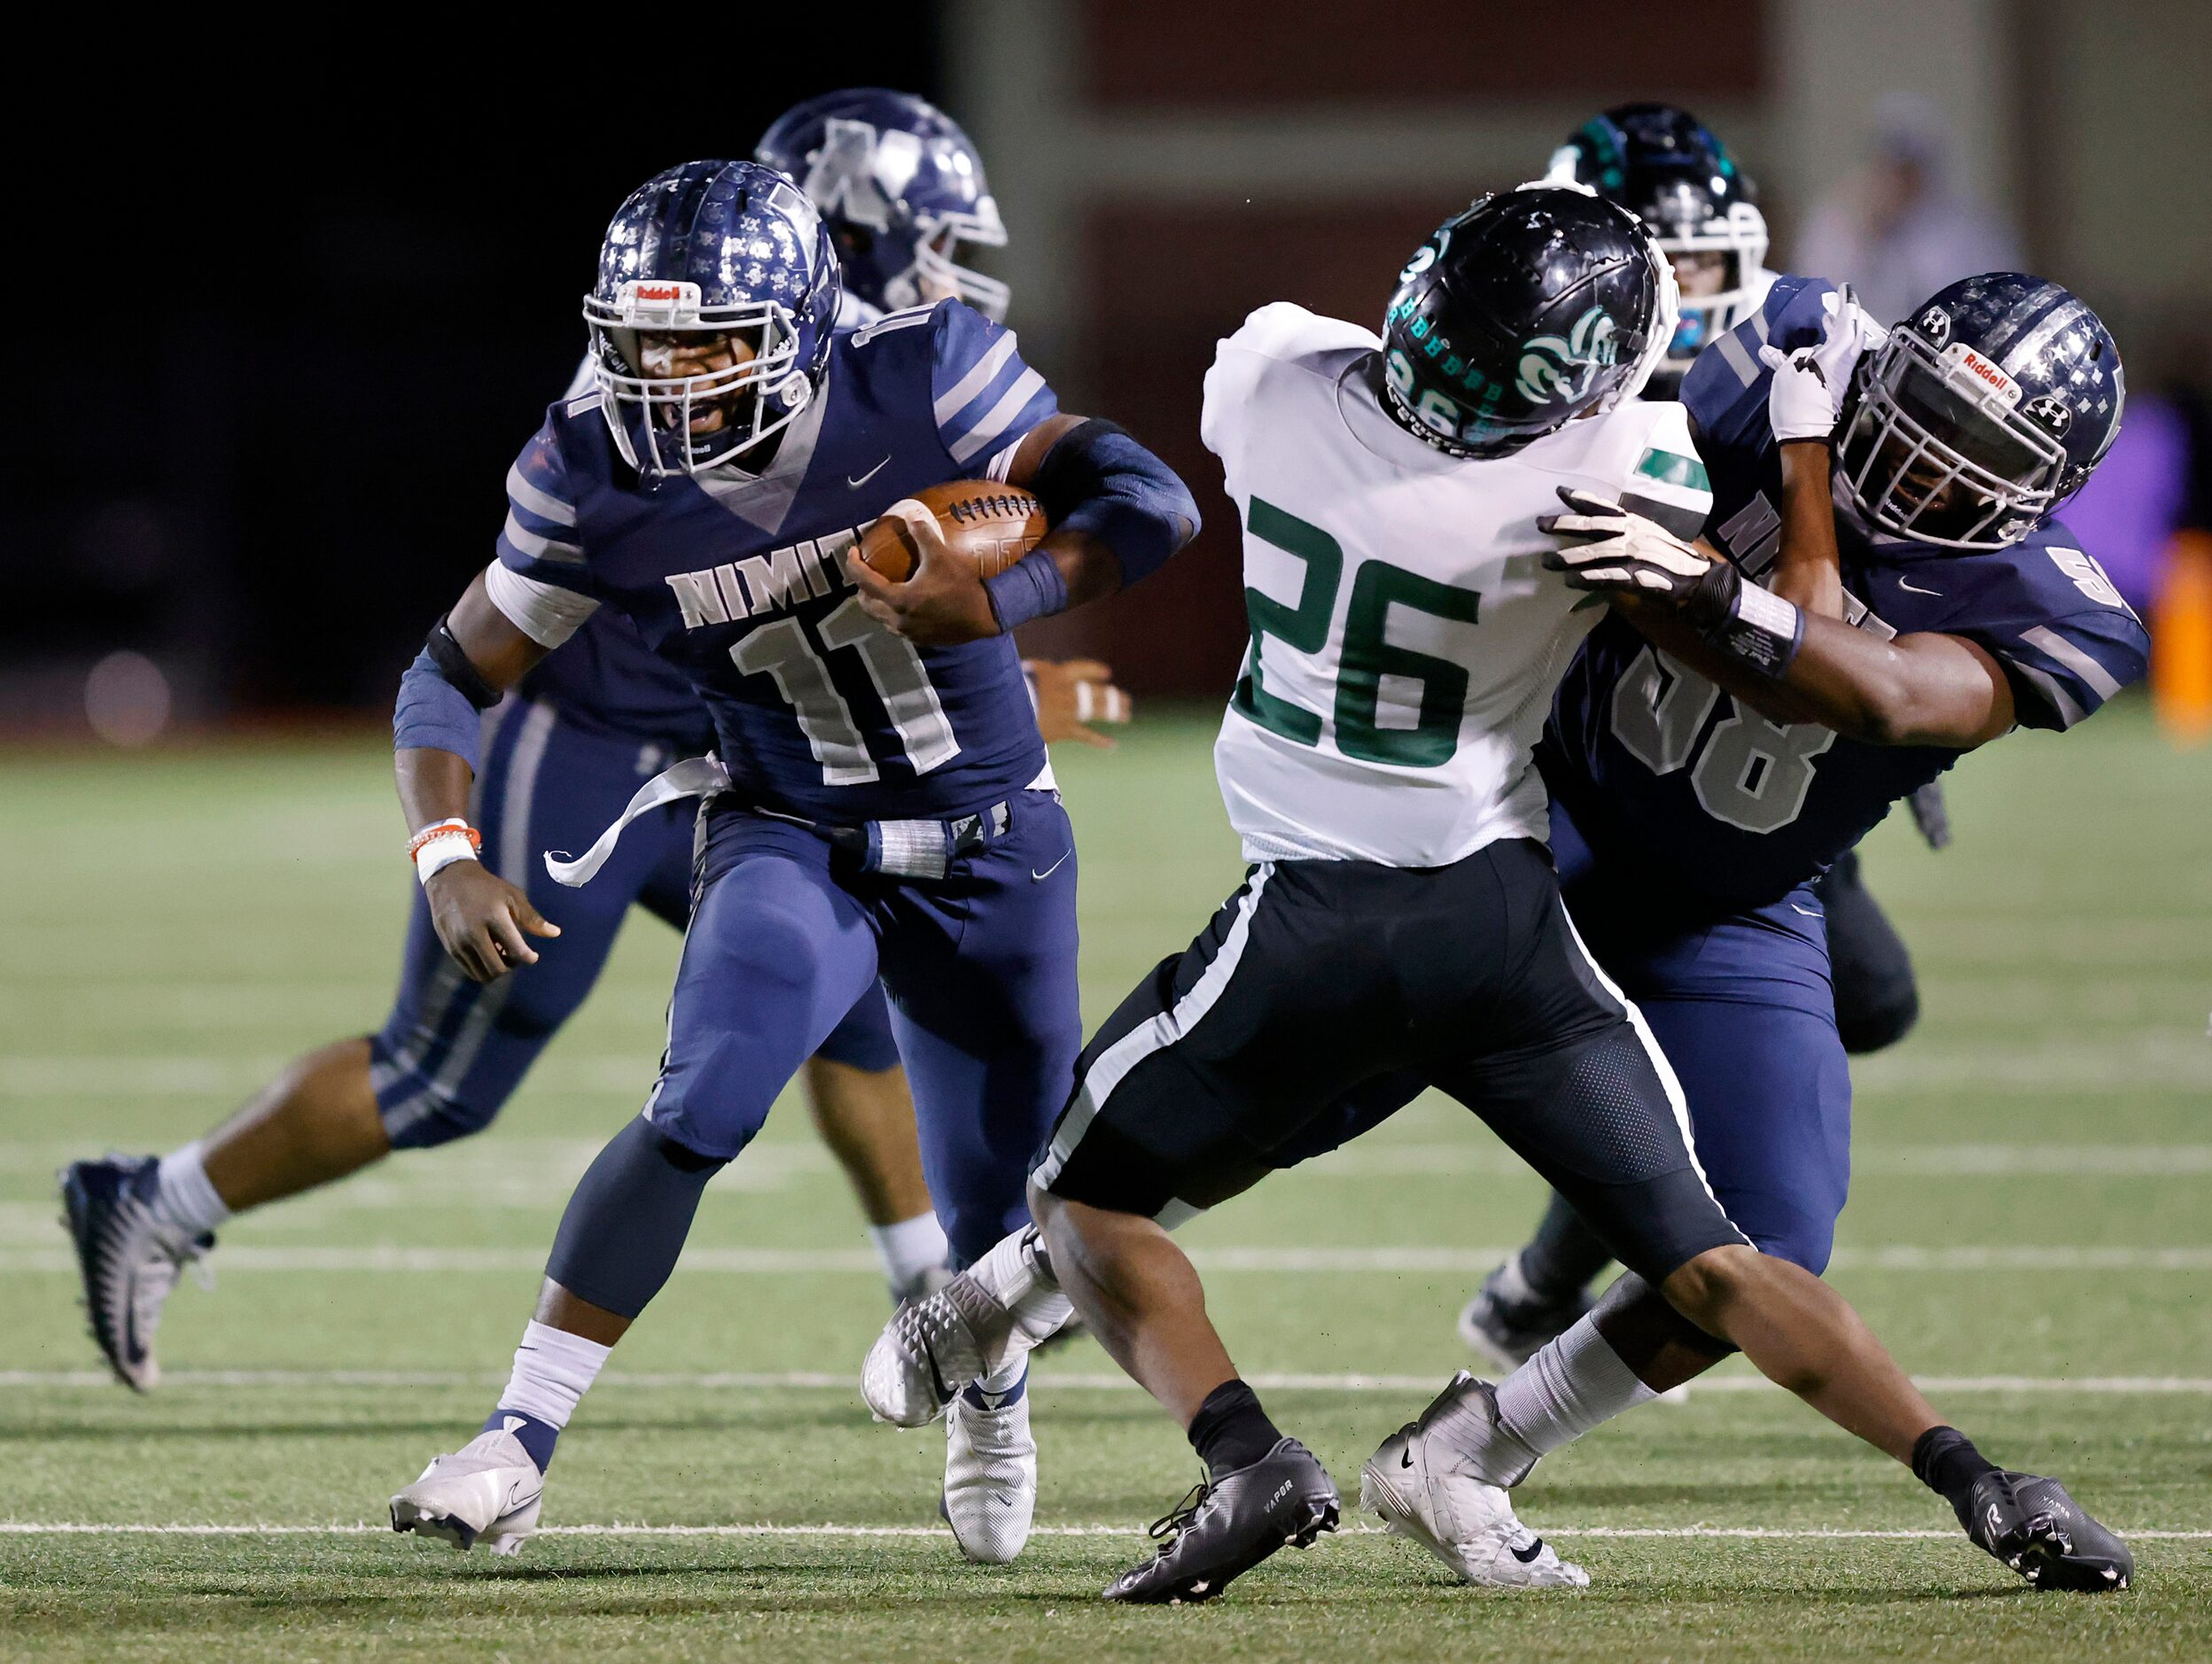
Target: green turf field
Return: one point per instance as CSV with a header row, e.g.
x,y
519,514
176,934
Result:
x,y
2030,1226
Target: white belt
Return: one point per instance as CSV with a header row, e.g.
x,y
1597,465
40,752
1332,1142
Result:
x,y
902,849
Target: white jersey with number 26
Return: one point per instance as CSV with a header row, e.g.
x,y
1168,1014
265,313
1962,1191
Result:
x,y
1406,635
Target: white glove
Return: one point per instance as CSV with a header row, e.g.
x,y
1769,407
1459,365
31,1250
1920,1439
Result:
x,y
1806,399
1607,548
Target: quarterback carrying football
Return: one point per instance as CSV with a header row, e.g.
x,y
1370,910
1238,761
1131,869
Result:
x,y
878,798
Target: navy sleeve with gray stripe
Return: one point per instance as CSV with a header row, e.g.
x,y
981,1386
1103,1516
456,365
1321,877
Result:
x,y
2045,611
1725,390
984,398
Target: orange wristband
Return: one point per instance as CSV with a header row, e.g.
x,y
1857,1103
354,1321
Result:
x,y
435,848
444,830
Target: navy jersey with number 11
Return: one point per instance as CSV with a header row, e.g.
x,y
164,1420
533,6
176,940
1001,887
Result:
x,y
1657,764
738,580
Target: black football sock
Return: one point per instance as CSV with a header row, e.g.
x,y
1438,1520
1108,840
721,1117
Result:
x,y
1230,1430
625,1225
1561,1258
1945,1461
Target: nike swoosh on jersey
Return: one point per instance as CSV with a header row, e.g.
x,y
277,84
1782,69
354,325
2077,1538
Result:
x,y
857,480
1036,877
1915,588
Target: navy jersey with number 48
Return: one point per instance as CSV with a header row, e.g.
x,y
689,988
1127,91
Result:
x,y
1654,761
738,580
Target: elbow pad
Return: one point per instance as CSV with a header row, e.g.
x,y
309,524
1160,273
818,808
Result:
x,y
1098,479
442,697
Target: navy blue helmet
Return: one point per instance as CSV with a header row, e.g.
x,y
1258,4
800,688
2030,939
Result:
x,y
705,250
1668,168
1527,309
900,186
1981,413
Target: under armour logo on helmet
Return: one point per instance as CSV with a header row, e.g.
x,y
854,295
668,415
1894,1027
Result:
x,y
857,172
1936,324
2050,413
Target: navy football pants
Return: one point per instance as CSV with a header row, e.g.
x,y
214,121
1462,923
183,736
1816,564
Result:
x,y
1745,1011
981,968
452,1051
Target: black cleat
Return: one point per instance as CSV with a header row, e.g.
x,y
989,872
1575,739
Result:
x,y
1227,1525
1507,1333
2035,1527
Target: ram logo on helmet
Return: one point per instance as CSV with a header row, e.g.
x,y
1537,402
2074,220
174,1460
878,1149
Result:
x,y
1558,368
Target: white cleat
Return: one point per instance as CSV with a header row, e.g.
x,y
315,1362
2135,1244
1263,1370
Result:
x,y
990,1473
929,1349
487,1492
1422,1485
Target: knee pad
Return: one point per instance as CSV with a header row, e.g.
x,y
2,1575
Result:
x,y
625,1226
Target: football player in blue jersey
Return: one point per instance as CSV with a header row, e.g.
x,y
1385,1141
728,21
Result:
x,y
901,189
561,756
1885,588
1671,171
878,798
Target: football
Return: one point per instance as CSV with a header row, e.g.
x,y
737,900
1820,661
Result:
x,y
993,524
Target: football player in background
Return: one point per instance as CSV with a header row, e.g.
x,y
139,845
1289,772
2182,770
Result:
x,y
1672,172
1401,925
879,801
899,185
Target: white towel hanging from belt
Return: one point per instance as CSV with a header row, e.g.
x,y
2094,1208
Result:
x,y
694,777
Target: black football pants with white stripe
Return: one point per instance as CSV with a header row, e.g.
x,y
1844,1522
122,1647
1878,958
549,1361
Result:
x,y
1320,985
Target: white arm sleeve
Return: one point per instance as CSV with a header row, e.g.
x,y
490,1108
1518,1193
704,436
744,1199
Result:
x,y
548,614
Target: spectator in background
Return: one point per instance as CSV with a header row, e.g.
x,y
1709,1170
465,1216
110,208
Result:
x,y
1899,229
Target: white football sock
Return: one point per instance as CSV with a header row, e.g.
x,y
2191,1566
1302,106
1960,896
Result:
x,y
553,1370
1574,1383
1016,1275
182,1196
910,1250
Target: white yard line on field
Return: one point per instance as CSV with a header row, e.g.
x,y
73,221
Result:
x,y
510,1172
2109,1059
1047,1380
1785,1533
762,1262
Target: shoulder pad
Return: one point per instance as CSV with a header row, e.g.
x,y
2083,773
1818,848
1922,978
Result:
x,y
1667,480
1284,330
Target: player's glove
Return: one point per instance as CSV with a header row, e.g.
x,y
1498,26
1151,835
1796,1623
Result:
x,y
1608,550
1806,399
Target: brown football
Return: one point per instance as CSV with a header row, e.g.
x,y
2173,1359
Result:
x,y
991,523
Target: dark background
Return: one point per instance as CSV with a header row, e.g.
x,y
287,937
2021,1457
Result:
x,y
283,306
291,336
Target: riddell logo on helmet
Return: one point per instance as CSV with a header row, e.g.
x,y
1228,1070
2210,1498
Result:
x,y
1965,358
659,291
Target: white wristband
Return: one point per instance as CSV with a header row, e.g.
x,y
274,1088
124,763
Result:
x,y
441,852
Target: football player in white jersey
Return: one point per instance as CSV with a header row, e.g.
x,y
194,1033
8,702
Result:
x,y
1401,919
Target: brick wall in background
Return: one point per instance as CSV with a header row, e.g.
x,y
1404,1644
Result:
x,y
1227,55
